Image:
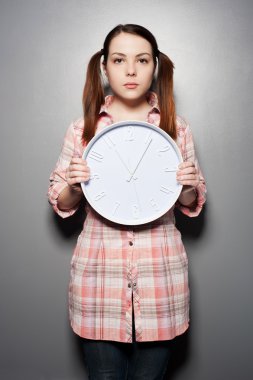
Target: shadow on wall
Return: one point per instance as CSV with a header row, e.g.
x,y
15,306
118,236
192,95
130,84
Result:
x,y
71,226
191,228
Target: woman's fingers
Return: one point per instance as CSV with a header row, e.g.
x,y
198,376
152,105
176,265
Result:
x,y
187,174
76,180
185,168
189,182
77,172
78,160
79,168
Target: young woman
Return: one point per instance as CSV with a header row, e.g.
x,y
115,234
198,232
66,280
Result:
x,y
128,294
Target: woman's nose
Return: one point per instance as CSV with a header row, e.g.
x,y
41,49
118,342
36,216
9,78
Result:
x,y
131,70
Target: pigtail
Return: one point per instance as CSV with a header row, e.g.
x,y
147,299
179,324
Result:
x,y
93,96
164,90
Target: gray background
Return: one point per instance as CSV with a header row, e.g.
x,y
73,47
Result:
x,y
44,50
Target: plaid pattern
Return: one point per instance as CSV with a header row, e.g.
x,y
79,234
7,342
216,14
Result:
x,y
113,263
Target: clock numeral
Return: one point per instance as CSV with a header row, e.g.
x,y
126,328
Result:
x,y
168,170
94,176
154,204
117,204
100,195
109,142
135,211
166,190
96,156
166,148
129,136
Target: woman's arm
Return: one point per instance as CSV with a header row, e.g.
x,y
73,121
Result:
x,y
64,192
188,196
193,195
188,176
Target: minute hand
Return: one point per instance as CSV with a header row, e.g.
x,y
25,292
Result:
x,y
138,163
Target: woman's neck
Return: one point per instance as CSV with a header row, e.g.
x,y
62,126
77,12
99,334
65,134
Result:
x,y
129,110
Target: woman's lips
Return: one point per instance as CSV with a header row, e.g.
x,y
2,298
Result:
x,y
131,85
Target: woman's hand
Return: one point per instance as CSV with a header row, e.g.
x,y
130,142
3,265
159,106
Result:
x,y
77,172
188,176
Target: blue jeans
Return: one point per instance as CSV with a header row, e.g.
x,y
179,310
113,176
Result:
x,y
107,360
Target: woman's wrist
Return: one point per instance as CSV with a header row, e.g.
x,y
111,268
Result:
x,y
75,189
188,196
70,197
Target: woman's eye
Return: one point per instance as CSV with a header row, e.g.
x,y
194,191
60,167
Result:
x,y
143,60
118,60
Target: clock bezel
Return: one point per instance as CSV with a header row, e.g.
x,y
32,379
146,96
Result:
x,y
120,124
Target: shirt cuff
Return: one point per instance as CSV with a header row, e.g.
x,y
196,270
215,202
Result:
x,y
200,200
53,195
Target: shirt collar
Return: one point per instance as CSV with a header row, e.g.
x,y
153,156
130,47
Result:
x,y
151,99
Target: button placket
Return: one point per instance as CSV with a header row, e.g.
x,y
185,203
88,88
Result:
x,y
130,265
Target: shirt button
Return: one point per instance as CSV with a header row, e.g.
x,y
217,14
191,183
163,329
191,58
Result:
x,y
131,243
134,284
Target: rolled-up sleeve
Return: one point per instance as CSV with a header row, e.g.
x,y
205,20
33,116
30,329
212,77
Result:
x,y
188,153
58,176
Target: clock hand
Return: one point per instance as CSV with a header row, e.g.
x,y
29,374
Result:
x,y
111,145
139,161
123,162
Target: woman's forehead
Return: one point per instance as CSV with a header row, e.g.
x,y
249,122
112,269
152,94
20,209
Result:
x,y
126,43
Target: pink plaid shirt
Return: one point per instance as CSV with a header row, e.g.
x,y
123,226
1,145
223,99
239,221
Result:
x,y
117,269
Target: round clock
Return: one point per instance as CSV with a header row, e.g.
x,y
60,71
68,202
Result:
x,y
133,168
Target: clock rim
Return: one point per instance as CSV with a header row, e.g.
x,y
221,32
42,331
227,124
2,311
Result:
x,y
132,222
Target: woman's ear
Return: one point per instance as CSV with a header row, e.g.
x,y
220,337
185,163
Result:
x,y
155,70
103,68
104,75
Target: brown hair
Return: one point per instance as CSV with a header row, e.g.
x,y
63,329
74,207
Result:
x,y
93,93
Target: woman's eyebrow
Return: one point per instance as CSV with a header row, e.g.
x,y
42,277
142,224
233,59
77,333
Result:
x,y
124,55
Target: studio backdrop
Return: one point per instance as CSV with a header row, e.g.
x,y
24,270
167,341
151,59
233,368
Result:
x,y
44,50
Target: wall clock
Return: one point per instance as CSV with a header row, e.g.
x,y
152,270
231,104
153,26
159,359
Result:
x,y
133,168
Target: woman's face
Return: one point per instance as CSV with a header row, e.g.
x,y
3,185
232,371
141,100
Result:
x,y
130,67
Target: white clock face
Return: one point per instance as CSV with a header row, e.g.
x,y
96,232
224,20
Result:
x,y
133,168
